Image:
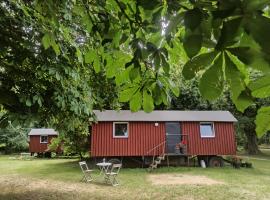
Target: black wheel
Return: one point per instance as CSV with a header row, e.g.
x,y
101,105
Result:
x,y
216,161
40,155
47,154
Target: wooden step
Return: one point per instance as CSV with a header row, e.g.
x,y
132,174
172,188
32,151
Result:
x,y
158,161
153,166
161,157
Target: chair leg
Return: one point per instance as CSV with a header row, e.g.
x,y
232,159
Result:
x,y
115,182
107,179
87,178
83,178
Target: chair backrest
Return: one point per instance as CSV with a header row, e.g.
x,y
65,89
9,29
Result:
x,y
116,168
83,166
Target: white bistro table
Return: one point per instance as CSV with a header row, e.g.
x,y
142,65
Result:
x,y
104,166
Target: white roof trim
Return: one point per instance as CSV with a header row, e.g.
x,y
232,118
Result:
x,y
42,131
155,116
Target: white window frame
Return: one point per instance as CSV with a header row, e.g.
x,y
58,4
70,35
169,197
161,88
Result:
x,y
213,130
115,136
44,136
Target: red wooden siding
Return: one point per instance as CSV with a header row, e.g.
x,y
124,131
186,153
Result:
x,y
222,144
142,137
36,146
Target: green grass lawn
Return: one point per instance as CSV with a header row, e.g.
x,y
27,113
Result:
x,y
60,179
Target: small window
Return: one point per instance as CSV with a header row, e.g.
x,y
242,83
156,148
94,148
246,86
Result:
x,y
120,129
207,129
44,139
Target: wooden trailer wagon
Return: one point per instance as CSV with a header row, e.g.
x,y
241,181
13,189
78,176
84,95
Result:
x,y
39,140
164,134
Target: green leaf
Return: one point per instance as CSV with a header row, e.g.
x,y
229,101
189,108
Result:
x,y
149,5
230,33
261,87
234,78
198,63
156,92
28,102
165,65
259,27
92,57
39,102
116,39
136,102
57,76
122,77
89,57
157,61
251,57
174,88
46,41
111,68
56,48
157,39
243,101
211,83
96,64
255,5
263,121
240,66
165,97
79,55
125,95
87,22
242,53
134,73
148,105
192,45
49,40
193,18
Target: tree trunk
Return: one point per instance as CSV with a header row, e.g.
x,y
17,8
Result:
x,y
252,143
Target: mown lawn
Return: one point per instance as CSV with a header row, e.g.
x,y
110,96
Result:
x,y
60,179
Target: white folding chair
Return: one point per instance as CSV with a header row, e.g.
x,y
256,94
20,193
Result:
x,y
87,173
110,176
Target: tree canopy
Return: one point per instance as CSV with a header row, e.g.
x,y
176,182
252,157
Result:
x,y
52,53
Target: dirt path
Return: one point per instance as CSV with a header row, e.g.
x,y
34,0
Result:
x,y
178,179
52,185
16,187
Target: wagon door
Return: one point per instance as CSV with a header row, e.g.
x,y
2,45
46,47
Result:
x,y
173,135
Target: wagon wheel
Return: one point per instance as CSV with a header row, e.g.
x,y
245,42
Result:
x,y
216,161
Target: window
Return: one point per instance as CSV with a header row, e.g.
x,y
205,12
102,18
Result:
x,y
207,129
120,129
44,139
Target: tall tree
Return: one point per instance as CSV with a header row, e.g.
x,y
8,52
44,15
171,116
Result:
x,y
191,99
133,42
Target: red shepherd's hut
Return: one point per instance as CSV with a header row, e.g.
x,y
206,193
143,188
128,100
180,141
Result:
x,y
205,134
40,138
